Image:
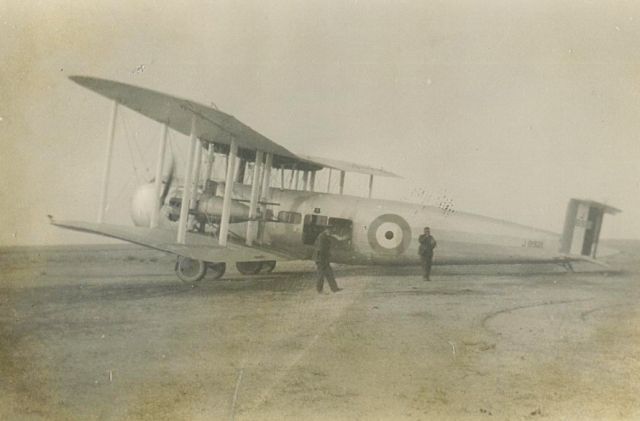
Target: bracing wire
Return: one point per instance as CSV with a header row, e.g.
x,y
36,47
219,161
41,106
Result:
x,y
179,158
130,134
135,177
127,136
125,185
123,189
142,156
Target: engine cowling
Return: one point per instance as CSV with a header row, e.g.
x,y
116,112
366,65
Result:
x,y
142,203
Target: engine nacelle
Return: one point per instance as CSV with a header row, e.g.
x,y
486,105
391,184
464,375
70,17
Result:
x,y
209,208
142,203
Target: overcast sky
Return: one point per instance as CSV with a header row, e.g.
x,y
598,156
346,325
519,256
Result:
x,y
507,108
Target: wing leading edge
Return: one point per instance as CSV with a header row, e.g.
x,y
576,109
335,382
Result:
x,y
349,166
213,126
197,246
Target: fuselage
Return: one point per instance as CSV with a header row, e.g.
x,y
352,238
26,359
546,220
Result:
x,y
377,231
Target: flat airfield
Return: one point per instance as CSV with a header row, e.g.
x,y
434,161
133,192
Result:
x,y
109,332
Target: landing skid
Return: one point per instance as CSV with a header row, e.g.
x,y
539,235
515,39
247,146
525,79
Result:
x,y
568,266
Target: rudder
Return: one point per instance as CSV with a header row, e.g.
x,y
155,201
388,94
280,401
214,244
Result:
x,y
582,226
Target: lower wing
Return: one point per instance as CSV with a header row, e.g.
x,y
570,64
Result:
x,y
197,246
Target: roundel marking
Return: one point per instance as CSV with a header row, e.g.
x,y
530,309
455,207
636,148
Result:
x,y
389,234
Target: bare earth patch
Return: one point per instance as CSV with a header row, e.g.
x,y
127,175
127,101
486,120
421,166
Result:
x,y
110,333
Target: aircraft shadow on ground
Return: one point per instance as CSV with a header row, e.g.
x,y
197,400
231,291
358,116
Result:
x,y
284,282
141,289
520,271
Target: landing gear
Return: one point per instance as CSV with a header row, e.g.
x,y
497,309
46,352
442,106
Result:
x,y
252,268
190,271
268,266
248,268
217,269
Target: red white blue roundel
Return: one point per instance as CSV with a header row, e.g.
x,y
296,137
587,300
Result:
x,y
389,234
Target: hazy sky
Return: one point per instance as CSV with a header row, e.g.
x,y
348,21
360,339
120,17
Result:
x,y
508,108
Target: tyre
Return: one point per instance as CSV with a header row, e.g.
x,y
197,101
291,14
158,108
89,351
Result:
x,y
268,266
190,271
217,270
248,268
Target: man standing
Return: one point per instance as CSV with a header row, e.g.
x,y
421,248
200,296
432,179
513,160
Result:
x,y
322,257
427,244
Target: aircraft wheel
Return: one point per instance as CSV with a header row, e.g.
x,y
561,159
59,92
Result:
x,y
217,269
268,266
248,268
190,270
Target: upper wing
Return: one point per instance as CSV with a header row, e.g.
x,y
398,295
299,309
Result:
x,y
212,125
348,166
199,247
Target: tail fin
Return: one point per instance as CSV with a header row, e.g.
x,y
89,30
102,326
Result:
x,y
582,226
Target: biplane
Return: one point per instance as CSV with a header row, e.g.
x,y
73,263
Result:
x,y
275,211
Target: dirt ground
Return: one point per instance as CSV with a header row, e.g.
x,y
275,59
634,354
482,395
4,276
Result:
x,y
110,333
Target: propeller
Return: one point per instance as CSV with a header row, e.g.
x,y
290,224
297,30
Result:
x,y
169,182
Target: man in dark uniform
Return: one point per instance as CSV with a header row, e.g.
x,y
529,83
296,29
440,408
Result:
x,y
427,244
322,257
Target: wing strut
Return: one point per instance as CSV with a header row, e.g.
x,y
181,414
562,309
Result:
x,y
291,177
161,153
210,160
281,177
329,181
107,163
196,175
264,194
255,191
312,183
228,190
370,185
186,191
266,179
341,182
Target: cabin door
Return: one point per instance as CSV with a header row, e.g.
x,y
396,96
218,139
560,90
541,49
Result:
x,y
313,226
343,230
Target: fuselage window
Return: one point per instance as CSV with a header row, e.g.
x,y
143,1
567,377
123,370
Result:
x,y
289,217
316,220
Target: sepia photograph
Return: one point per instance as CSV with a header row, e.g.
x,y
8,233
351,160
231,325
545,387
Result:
x,y
319,210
